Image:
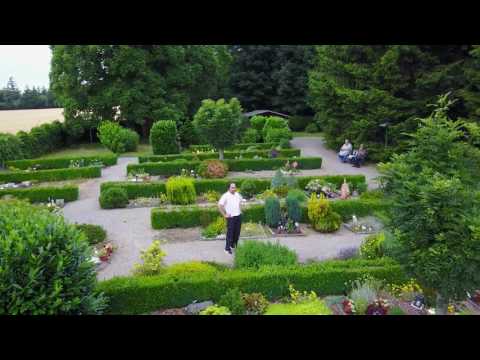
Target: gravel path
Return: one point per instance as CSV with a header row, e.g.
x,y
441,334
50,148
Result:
x,y
130,230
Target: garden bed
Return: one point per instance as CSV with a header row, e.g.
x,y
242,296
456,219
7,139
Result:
x,y
251,233
276,233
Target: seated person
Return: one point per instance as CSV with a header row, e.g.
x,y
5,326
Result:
x,y
345,151
359,156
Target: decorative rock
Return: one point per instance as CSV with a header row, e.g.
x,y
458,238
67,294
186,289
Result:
x,y
195,308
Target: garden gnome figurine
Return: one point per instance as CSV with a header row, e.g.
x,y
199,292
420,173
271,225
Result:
x,y
344,190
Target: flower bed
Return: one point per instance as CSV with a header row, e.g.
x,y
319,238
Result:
x,y
64,162
51,175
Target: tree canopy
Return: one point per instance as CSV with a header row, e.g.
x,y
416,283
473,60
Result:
x,y
12,98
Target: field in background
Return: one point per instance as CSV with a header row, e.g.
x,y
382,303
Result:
x,y
12,121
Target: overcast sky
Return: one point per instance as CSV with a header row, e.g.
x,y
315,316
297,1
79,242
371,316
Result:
x,y
28,64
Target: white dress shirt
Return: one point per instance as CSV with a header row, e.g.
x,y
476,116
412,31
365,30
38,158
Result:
x,y
231,203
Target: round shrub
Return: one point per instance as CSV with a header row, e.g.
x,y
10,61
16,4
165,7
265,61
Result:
x,y
248,189
212,169
45,263
254,254
216,310
10,148
95,234
233,300
255,303
297,194
116,138
311,128
130,139
321,215
250,136
258,122
114,198
181,190
274,122
272,211
372,246
163,137
278,135
152,261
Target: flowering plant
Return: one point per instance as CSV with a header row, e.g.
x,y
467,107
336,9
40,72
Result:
x,y
348,307
379,307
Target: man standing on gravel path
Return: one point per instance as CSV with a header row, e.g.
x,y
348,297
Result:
x,y
230,207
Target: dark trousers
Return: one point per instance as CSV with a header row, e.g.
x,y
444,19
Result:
x,y
234,224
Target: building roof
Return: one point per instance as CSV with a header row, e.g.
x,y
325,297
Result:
x,y
263,112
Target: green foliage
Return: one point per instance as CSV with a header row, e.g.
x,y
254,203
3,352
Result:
x,y
215,310
186,269
278,135
113,198
188,134
139,295
314,307
293,208
44,194
272,211
95,233
364,291
255,303
254,254
218,227
274,122
212,196
322,217
233,300
218,122
45,262
163,137
152,261
51,175
396,310
10,148
372,246
250,136
212,169
181,191
433,215
258,122
311,128
116,138
248,189
298,195
63,162
299,123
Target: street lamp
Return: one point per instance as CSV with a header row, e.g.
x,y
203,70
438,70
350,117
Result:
x,y
385,125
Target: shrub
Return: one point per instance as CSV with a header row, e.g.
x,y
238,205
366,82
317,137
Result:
x,y
44,194
274,122
272,211
321,216
152,261
114,198
258,122
10,148
297,194
212,196
51,175
372,246
278,135
95,233
116,138
163,137
364,292
188,134
186,269
255,303
250,136
284,144
311,128
313,307
45,265
180,190
248,189
293,209
218,227
212,169
233,300
299,123
216,310
62,163
254,254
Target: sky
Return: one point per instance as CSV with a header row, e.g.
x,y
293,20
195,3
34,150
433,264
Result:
x,y
28,64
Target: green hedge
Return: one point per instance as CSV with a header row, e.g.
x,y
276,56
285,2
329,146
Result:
x,y
175,167
244,146
61,163
152,189
51,175
42,194
140,295
285,153
185,217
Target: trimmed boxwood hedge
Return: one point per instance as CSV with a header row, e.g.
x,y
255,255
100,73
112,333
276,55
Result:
x,y
140,295
242,146
51,175
175,167
42,194
152,189
207,156
185,217
61,163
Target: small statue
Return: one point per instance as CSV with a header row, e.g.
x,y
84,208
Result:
x,y
344,190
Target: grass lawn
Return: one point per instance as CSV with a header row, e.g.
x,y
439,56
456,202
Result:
x,y
95,150
305,134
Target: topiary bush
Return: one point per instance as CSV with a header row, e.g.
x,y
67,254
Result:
x,y
258,122
248,189
113,198
212,169
278,135
233,300
250,136
95,233
254,254
272,211
372,246
116,138
130,140
274,122
10,148
321,215
181,190
45,264
163,137
293,208
311,128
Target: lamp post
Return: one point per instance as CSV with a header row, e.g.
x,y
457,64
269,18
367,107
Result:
x,y
385,126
